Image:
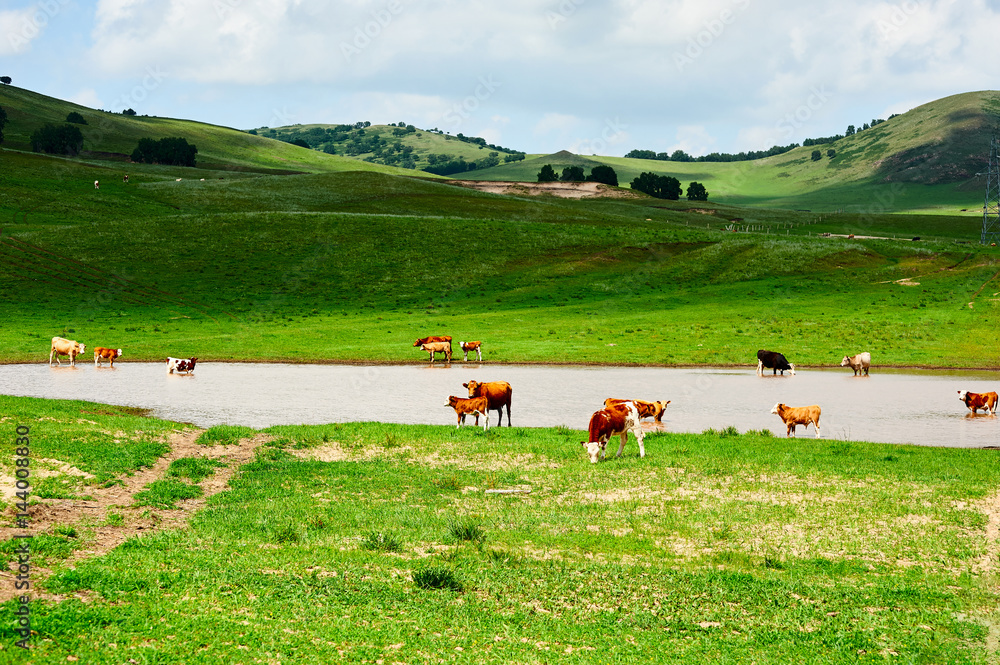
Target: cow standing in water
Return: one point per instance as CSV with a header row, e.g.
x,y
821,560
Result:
x,y
497,394
774,361
859,363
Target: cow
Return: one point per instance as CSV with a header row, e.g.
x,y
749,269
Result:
x,y
426,340
798,415
469,406
179,365
774,361
985,401
497,393
619,419
125,179
66,347
438,347
859,363
101,353
472,346
646,409
97,184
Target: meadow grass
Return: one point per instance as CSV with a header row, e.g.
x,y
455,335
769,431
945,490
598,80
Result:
x,y
723,545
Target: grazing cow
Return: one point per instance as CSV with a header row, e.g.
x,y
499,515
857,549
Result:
x,y
426,340
859,363
619,419
985,401
774,361
438,347
97,184
178,365
66,347
472,346
475,406
125,179
646,409
101,353
798,415
497,393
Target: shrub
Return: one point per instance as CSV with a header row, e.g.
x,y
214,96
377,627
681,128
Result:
x,y
469,530
604,174
175,151
381,542
65,140
76,118
436,577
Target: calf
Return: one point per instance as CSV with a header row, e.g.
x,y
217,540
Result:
x,y
472,346
859,363
101,353
652,410
97,184
798,415
463,406
185,365
619,419
438,347
497,394
985,401
425,340
774,361
66,347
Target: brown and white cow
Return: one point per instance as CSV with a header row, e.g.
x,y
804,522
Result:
x,y
438,347
425,340
474,406
646,409
66,347
472,346
101,353
859,363
497,393
798,415
985,401
619,419
178,365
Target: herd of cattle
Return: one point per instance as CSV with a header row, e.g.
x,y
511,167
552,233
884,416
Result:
x,y
617,418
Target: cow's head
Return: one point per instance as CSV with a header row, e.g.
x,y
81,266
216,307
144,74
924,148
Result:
x,y
595,450
474,387
963,395
419,342
845,362
452,401
83,347
659,408
791,368
118,353
777,408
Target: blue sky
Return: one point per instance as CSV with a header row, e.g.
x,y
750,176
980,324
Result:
x,y
536,75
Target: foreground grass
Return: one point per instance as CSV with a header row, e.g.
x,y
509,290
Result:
x,y
373,542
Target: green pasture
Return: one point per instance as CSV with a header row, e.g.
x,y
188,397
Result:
x,y
716,547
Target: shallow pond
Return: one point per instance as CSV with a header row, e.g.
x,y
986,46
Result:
x,y
895,406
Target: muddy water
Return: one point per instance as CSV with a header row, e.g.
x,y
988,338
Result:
x,y
893,406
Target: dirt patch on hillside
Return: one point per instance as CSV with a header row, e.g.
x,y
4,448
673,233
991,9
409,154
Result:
x,y
565,190
90,516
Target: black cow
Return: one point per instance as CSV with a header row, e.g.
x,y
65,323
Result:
x,y
773,360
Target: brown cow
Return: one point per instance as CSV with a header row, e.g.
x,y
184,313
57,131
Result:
x,y
472,346
617,419
652,410
425,340
438,347
66,347
985,401
472,406
798,415
497,393
101,353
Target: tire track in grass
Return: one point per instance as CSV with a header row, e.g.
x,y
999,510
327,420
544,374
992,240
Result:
x,y
128,520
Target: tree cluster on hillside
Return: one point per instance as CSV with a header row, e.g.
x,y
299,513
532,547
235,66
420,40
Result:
x,y
600,173
658,186
448,165
697,192
681,156
3,121
6,80
76,118
63,140
175,151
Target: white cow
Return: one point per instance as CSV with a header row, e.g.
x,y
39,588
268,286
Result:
x,y
66,347
859,363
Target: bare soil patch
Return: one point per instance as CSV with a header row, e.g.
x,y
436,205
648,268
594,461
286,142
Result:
x,y
90,516
565,190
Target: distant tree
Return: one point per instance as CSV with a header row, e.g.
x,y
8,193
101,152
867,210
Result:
x,y
659,186
301,142
516,157
252,132
641,154
486,162
864,126
605,174
76,118
697,192
128,112
175,151
573,174
547,174
816,155
680,156
850,131
5,80
831,153
3,121
64,140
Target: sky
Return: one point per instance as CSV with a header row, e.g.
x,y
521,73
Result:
x,y
538,76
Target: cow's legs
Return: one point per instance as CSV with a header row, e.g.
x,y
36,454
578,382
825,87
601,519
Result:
x,y
642,449
621,446
760,368
486,425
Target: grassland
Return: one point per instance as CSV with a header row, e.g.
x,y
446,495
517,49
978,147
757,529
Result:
x,y
719,547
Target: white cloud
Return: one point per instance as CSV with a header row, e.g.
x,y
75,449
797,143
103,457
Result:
x,y
87,97
20,27
694,140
